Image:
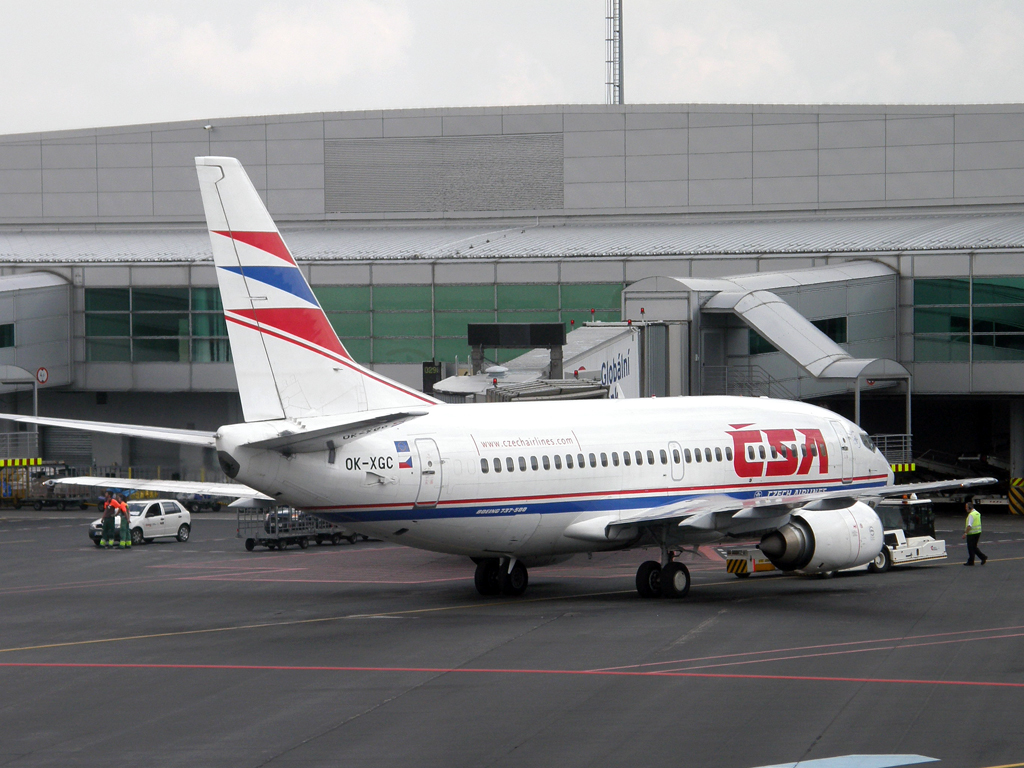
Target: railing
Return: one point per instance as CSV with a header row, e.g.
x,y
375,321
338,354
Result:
x,y
746,381
19,445
897,449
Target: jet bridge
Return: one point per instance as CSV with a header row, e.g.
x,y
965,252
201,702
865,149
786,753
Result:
x,y
800,334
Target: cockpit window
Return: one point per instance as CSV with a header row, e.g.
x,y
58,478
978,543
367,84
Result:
x,y
868,443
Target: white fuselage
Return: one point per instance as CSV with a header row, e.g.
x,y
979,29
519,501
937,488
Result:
x,y
508,478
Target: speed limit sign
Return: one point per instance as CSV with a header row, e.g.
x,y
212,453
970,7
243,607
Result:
x,y
42,375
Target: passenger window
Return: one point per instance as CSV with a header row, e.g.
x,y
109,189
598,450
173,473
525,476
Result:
x,y
760,450
533,463
792,450
814,449
639,459
568,461
707,454
547,463
497,464
675,455
615,458
169,507
484,467
580,462
696,455
686,454
728,453
625,458
803,450
522,463
718,454
775,453
750,452
593,460
664,457
558,461
604,459
510,464
650,457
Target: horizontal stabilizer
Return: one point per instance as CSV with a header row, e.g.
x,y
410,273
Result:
x,y
177,487
167,434
314,435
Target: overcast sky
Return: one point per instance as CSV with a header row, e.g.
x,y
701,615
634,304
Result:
x,y
118,62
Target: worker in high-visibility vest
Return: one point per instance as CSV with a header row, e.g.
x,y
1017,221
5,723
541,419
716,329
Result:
x,y
972,532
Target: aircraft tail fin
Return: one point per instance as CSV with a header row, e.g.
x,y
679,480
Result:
x,y
288,360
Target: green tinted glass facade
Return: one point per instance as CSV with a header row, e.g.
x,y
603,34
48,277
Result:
x,y
965,319
377,324
148,325
413,323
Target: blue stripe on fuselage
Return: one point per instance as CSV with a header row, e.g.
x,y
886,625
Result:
x,y
484,509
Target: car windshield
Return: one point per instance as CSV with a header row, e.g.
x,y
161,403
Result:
x,y
136,507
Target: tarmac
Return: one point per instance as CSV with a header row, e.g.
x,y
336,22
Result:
x,y
369,654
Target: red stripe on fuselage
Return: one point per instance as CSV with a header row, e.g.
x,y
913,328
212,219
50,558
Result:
x,y
695,491
269,242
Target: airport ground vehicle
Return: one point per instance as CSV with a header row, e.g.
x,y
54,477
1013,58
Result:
x,y
282,526
159,518
901,519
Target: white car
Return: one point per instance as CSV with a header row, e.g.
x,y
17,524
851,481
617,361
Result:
x,y
149,520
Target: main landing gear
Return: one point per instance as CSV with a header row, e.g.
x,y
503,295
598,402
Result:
x,y
500,577
656,580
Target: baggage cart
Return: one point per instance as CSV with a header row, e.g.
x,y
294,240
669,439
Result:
x,y
280,527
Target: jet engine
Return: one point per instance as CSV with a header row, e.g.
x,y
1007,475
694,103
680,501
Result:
x,y
821,537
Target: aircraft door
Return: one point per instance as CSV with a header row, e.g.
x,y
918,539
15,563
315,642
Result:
x,y
430,472
675,460
845,451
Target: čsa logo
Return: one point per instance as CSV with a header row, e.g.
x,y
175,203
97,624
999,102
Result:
x,y
788,452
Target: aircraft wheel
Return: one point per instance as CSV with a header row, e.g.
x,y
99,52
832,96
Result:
x,y
648,579
675,580
882,562
488,577
514,584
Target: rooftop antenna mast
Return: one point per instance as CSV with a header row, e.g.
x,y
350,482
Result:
x,y
613,52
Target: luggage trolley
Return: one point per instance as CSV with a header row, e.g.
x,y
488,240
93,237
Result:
x,y
278,527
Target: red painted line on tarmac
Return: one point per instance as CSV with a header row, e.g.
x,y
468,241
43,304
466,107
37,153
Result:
x,y
812,647
488,671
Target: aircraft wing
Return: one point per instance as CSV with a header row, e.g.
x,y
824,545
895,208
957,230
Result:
x,y
230,490
722,513
167,434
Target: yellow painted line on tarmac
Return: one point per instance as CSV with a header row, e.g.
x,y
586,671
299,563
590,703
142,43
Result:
x,y
1009,765
299,622
325,619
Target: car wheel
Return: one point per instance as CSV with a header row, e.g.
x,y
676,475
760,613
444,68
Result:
x,y
193,507
137,537
183,532
96,542
882,562
61,506
37,505
303,543
250,545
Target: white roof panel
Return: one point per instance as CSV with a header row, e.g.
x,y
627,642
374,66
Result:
x,y
695,238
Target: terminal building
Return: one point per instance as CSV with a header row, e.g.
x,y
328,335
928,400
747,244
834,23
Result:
x,y
868,258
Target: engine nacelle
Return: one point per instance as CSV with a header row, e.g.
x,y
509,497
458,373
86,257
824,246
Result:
x,y
818,539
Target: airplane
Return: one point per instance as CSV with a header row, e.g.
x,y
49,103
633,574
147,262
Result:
x,y
511,485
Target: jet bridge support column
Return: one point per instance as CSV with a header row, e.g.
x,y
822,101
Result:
x,y
1017,457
